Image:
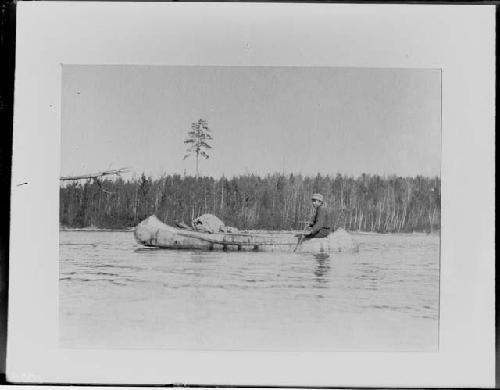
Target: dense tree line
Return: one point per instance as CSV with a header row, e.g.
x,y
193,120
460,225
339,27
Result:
x,y
276,201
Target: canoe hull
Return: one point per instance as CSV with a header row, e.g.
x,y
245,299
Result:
x,y
153,233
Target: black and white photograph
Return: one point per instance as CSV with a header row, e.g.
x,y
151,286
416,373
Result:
x,y
250,194
250,208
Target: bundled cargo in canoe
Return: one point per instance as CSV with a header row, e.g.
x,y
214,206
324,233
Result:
x,y
154,233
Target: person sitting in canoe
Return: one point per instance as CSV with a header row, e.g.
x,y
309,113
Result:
x,y
319,227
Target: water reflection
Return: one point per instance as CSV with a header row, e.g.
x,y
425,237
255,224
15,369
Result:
x,y
147,249
321,272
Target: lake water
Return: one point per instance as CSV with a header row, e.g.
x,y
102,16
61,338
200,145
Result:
x,y
116,294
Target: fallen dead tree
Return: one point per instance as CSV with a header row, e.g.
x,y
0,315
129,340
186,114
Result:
x,y
96,175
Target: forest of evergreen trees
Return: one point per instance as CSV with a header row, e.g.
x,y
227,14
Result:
x,y
276,201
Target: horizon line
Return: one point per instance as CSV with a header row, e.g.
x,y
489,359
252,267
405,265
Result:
x,y
133,175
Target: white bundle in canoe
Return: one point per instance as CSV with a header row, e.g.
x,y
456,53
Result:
x,y
208,223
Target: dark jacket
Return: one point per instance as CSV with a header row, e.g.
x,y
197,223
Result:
x,y
320,224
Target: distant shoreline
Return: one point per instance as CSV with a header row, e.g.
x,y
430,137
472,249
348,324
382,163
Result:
x,y
273,202
126,230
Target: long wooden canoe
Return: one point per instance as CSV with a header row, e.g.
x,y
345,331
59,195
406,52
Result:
x,y
153,233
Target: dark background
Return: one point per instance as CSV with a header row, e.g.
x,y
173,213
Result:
x,y
7,57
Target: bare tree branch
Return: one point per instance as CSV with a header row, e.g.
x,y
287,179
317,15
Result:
x,y
97,175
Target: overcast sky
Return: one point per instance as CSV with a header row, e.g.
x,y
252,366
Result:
x,y
264,119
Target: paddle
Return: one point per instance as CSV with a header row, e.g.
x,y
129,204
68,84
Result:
x,y
301,236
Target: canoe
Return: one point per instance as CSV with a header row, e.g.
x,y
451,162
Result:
x,y
153,233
